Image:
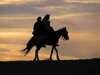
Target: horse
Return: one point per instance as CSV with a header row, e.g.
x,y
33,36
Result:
x,y
46,41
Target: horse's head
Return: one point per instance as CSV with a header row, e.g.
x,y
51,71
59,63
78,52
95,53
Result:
x,y
65,33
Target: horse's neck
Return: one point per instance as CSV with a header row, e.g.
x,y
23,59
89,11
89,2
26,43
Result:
x,y
59,32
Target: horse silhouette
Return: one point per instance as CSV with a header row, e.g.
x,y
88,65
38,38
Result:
x,y
40,40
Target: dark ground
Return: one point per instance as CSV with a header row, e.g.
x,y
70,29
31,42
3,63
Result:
x,y
46,67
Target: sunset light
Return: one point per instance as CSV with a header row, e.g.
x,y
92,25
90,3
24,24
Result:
x,y
80,17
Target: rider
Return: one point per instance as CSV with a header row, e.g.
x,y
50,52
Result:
x,y
43,28
47,23
39,28
49,29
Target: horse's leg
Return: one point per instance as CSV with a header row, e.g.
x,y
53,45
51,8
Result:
x,y
57,53
36,53
51,53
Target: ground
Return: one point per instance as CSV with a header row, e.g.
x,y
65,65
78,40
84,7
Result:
x,y
46,67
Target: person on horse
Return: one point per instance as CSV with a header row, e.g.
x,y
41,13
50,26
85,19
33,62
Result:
x,y
47,23
39,28
43,28
48,28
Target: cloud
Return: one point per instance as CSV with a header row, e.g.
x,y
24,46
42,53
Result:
x,y
17,21
81,17
49,7
3,50
15,54
6,2
30,16
15,36
83,1
69,15
28,20
17,16
81,44
64,24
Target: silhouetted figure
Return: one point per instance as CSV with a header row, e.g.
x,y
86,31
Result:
x,y
61,32
49,29
47,23
39,28
44,34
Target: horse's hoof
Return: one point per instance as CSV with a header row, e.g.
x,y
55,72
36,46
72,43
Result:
x,y
38,60
50,59
58,59
34,60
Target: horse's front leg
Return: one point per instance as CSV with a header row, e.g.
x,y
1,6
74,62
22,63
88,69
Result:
x,y
57,53
35,55
51,53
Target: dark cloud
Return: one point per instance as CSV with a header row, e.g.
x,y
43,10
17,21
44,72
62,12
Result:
x,y
30,8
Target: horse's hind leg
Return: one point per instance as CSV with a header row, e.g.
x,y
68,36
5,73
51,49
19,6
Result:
x,y
36,54
57,54
51,53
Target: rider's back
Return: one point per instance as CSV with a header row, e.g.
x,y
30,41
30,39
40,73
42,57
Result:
x,y
47,25
39,28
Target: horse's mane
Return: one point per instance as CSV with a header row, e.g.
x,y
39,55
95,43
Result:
x,y
58,30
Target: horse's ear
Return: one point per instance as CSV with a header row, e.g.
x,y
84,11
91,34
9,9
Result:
x,y
64,27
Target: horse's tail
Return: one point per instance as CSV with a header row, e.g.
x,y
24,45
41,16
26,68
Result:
x,y
35,40
26,51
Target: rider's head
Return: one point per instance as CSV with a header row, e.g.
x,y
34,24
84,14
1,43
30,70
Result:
x,y
39,18
47,16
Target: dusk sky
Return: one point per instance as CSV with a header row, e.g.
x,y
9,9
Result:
x,y
80,17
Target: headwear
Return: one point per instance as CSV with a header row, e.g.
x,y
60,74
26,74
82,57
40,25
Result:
x,y
39,18
47,16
